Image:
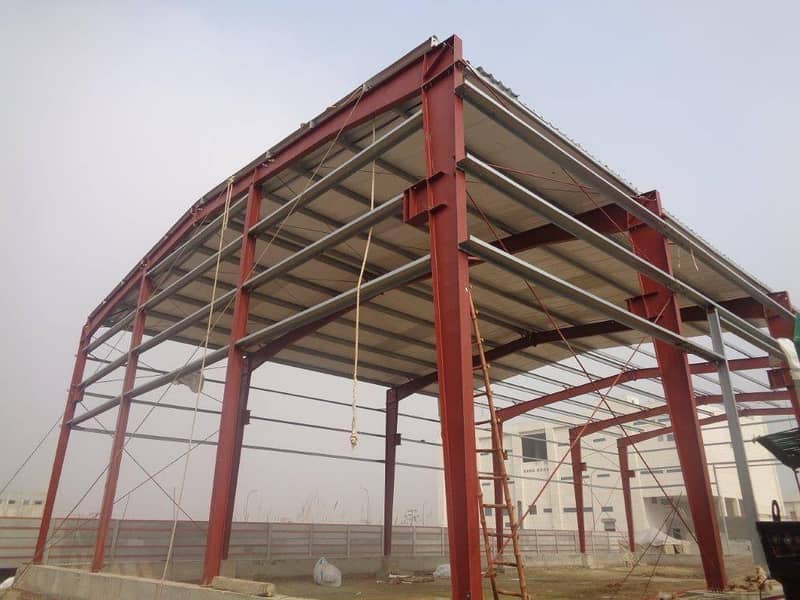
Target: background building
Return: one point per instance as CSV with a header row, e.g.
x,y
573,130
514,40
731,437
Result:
x,y
536,448
21,504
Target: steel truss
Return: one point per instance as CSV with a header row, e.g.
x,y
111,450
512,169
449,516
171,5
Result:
x,y
427,91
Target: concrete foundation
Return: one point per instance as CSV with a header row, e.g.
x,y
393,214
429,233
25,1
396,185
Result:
x,y
75,584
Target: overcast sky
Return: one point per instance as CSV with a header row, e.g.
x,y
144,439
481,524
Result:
x,y
115,117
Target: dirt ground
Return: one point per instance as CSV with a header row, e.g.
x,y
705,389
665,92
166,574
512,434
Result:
x,y
551,583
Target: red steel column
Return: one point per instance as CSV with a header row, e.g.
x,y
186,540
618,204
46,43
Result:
x,y
578,467
499,515
677,383
780,327
223,491
392,441
243,419
74,396
625,474
444,146
118,443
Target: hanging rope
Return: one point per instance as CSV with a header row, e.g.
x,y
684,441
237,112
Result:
x,y
354,420
209,328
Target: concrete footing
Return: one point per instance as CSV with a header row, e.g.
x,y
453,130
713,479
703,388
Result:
x,y
74,584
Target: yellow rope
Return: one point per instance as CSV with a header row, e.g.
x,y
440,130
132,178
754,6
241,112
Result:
x,y
209,328
354,421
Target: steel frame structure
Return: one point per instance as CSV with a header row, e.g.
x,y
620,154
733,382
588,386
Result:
x,y
434,99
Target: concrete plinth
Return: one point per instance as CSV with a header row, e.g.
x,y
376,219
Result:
x,y
74,584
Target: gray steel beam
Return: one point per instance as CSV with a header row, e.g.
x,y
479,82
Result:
x,y
512,264
369,290
737,441
568,223
536,139
183,251
342,172
317,248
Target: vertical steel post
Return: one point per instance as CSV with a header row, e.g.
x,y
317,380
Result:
x,y
626,474
123,412
391,442
658,303
737,441
74,396
443,123
780,327
721,504
499,515
578,467
243,419
223,491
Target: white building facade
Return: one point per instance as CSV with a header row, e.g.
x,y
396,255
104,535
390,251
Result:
x,y
539,450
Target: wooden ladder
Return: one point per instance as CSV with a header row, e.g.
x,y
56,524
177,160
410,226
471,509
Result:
x,y
498,452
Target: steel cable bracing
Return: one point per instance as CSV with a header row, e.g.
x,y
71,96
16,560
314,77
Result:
x,y
30,456
670,516
556,327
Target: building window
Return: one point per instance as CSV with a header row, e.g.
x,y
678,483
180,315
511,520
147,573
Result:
x,y
670,437
38,502
12,501
609,524
607,509
570,509
533,510
676,533
487,511
675,470
534,447
653,500
547,510
598,440
603,475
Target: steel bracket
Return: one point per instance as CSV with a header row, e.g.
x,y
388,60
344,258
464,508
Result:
x,y
419,201
779,378
642,305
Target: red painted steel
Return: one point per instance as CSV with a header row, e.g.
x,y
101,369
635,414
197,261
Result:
x,y
391,442
121,428
74,396
394,89
589,330
606,219
243,418
743,364
444,146
578,467
624,442
780,327
626,474
223,493
655,411
659,303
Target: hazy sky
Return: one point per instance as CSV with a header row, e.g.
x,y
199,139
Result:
x,y
115,117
